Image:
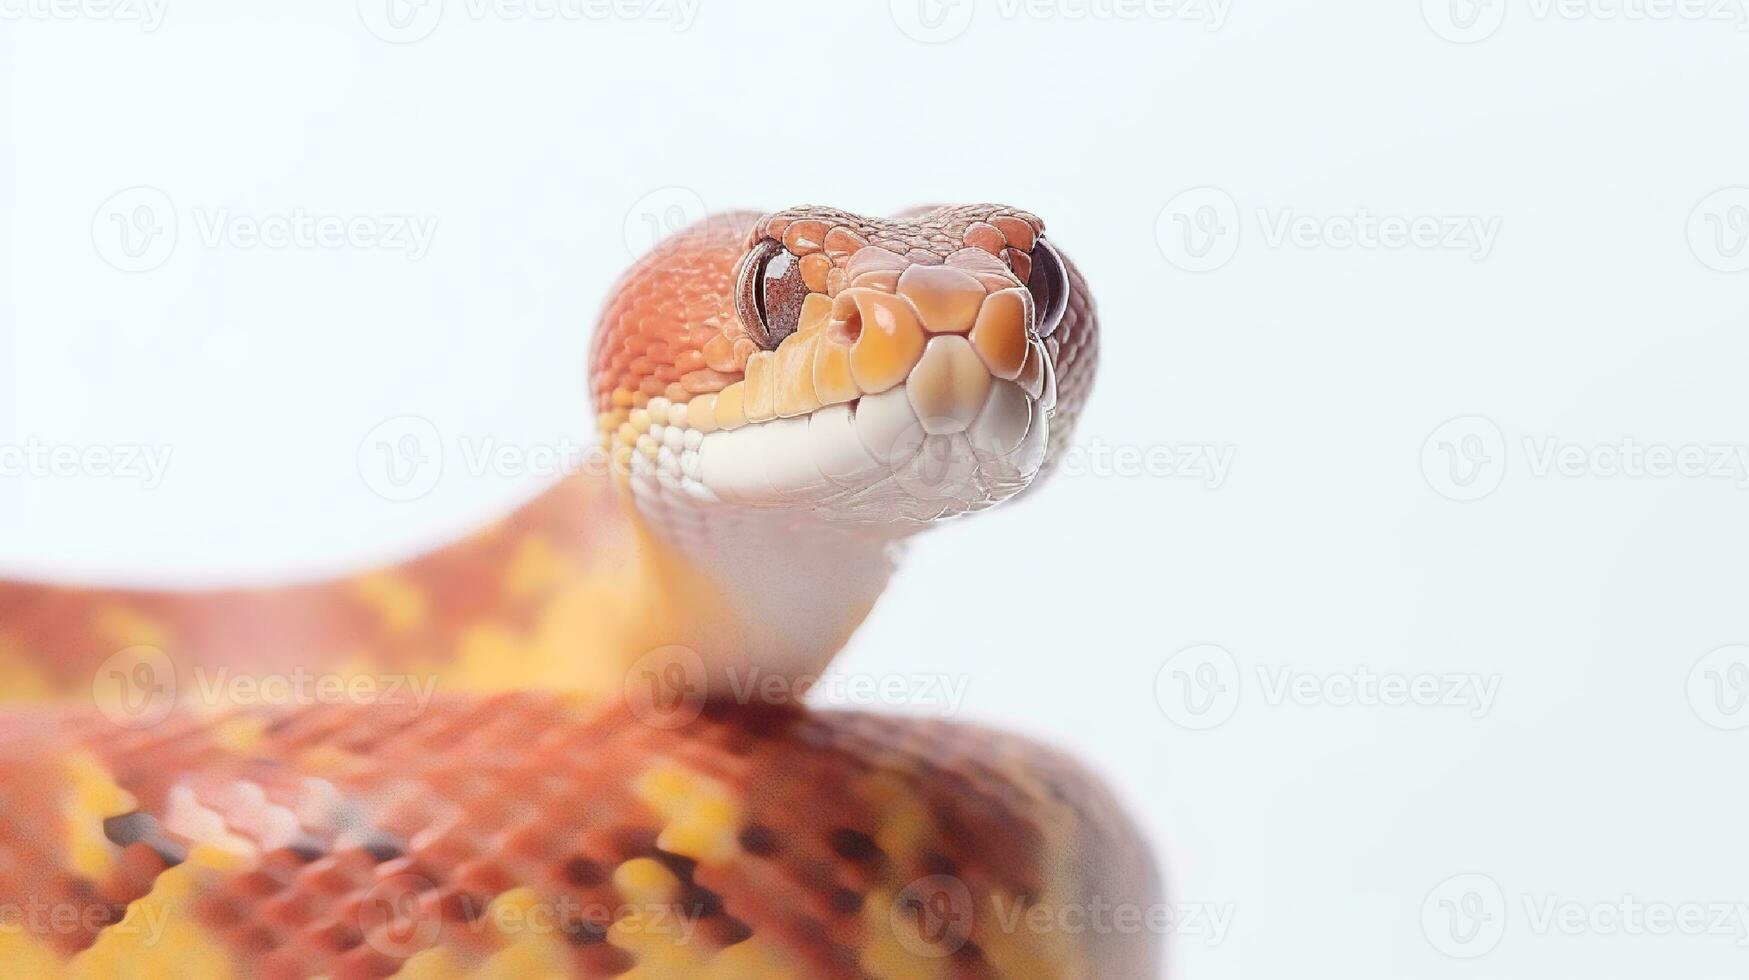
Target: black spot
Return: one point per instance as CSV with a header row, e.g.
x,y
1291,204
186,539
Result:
x,y
937,863
382,847
680,864
854,845
461,906
633,842
699,902
759,840
969,952
307,849
142,828
585,933
129,828
583,873
811,931
845,902
819,876
736,931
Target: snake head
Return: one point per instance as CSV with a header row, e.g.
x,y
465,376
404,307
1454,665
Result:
x,y
883,372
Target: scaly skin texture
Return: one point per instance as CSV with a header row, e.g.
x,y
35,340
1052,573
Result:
x,y
483,761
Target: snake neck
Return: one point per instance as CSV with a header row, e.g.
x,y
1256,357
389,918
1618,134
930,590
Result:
x,y
767,591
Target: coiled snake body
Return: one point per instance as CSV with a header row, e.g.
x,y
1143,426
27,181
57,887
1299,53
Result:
x,y
540,751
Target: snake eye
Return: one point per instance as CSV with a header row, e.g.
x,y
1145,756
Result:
x,y
769,294
1049,285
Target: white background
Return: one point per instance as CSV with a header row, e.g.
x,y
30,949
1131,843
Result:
x,y
1324,828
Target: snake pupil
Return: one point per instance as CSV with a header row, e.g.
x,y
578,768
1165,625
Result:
x,y
771,293
1049,285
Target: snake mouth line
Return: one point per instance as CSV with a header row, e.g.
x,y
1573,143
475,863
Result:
x,y
875,456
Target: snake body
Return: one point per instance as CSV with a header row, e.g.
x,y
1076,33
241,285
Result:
x,y
542,750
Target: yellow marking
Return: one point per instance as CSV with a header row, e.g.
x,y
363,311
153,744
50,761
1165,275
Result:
x,y
526,930
121,627
646,881
646,923
94,797
701,815
883,955
536,567
905,824
26,956
751,959
327,759
21,680
633,597
530,929
161,937
437,963
401,606
1016,948
241,734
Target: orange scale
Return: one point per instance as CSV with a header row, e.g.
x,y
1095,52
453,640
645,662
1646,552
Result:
x,y
688,361
1019,232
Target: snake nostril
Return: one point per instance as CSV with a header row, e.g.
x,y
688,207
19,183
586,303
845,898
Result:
x,y
846,329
